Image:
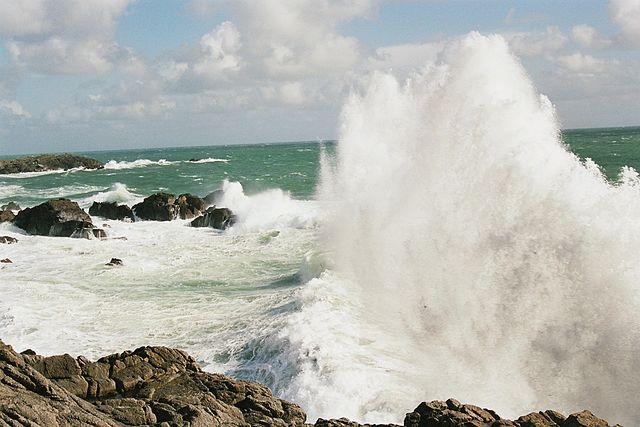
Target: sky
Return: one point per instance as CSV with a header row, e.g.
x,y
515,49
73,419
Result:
x,y
84,75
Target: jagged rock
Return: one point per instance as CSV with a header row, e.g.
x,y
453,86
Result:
x,y
213,198
57,217
89,233
157,207
111,210
584,419
6,215
48,162
8,240
115,261
189,206
6,261
220,218
11,206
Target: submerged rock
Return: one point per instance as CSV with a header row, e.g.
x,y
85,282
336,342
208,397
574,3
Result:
x,y
6,215
11,206
114,261
111,210
219,218
8,240
57,217
157,207
48,162
189,206
160,386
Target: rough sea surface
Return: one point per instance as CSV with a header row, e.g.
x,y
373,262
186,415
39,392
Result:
x,y
450,244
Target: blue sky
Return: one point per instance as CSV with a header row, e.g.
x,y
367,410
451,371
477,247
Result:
x,y
110,74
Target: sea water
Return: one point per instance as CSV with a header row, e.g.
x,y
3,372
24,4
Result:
x,y
453,243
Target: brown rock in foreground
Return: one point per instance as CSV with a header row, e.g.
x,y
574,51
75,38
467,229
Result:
x,y
159,386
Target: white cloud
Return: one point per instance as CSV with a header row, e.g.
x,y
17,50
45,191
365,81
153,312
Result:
x,y
219,50
537,43
626,14
13,108
588,36
585,64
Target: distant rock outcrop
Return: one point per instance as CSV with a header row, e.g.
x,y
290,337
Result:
x,y
157,207
48,162
111,210
219,218
57,217
160,386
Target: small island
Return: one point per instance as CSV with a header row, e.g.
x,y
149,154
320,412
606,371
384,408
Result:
x,y
48,162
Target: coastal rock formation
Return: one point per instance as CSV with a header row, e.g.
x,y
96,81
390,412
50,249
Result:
x,y
160,386
57,217
8,240
6,215
157,207
219,218
48,162
111,210
11,206
189,206
213,198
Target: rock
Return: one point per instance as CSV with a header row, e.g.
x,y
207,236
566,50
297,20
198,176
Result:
x,y
89,233
8,240
584,419
189,206
157,207
219,218
48,162
6,261
6,215
111,210
57,217
213,198
193,160
114,261
11,206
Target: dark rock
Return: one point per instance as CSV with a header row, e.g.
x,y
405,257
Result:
x,y
11,206
213,198
451,413
219,218
189,206
89,233
115,261
58,217
48,162
99,233
111,210
157,207
8,240
584,419
6,215
6,261
193,160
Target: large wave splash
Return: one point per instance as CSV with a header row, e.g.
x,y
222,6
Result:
x,y
473,256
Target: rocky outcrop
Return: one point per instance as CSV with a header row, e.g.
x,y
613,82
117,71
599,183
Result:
x,y
8,240
157,207
189,206
111,210
160,386
219,218
6,216
11,206
48,162
57,217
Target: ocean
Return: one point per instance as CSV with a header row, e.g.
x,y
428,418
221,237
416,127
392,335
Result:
x,y
452,243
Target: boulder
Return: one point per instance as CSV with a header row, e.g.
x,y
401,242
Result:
x,y
58,217
6,215
8,240
48,162
111,210
11,206
114,261
157,207
189,206
219,218
6,261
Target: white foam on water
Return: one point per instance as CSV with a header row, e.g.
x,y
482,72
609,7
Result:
x,y
209,160
22,175
473,256
118,193
139,163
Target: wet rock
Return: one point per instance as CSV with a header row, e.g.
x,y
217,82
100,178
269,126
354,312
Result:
x,y
219,218
48,162
8,240
189,206
6,261
157,207
6,215
11,206
111,210
89,233
57,217
213,198
114,261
